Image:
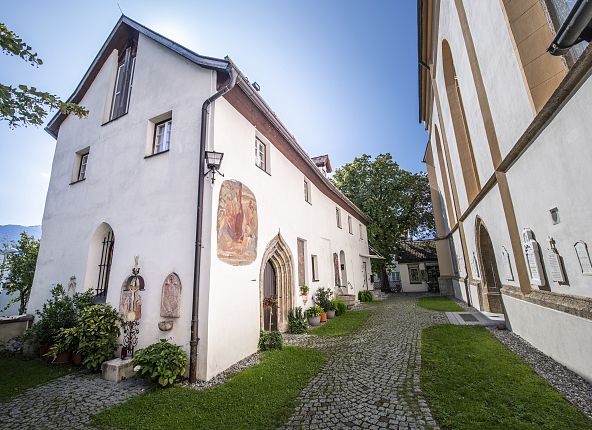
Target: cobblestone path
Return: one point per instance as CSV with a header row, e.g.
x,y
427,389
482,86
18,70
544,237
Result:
x,y
68,402
371,378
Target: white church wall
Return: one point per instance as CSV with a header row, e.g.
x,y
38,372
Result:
x,y
149,203
553,173
565,338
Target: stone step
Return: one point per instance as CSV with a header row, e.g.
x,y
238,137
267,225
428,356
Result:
x,y
348,299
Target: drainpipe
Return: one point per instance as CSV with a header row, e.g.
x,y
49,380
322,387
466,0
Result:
x,y
205,113
576,28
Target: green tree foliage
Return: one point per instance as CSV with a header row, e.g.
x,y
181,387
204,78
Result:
x,y
396,201
23,105
20,266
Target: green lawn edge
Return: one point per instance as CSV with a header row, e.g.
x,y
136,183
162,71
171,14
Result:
x,y
439,304
260,397
18,374
471,380
342,325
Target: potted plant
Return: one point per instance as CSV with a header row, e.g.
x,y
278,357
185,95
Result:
x,y
314,315
322,298
66,347
330,309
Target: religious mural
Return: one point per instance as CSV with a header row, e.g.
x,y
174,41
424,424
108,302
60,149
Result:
x,y
237,224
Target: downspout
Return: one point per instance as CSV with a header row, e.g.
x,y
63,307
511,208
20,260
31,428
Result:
x,y
575,29
205,113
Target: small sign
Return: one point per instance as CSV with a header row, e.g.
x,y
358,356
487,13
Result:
x,y
583,257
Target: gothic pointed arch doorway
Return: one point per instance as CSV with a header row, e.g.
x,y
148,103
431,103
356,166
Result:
x,y
276,279
491,298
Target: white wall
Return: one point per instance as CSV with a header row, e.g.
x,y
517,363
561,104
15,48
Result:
x,y
406,285
233,296
149,203
565,338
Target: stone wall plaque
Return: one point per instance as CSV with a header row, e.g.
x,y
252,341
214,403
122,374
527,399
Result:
x,y
583,257
533,260
170,301
236,224
555,264
509,273
475,267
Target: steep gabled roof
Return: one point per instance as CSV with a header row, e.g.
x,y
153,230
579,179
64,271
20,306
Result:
x,y
122,31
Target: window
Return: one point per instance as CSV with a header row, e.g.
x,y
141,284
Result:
x,y
307,191
414,276
82,167
162,136
338,216
350,225
361,232
315,268
123,84
260,155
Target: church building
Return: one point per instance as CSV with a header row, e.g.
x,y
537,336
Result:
x,y
505,94
182,164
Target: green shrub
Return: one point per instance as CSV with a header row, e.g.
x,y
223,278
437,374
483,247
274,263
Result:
x,y
340,307
323,297
60,311
296,321
161,362
364,296
67,340
269,340
98,330
315,311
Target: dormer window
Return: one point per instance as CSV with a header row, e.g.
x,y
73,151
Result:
x,y
123,84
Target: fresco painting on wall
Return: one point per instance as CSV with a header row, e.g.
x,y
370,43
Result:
x,y
237,224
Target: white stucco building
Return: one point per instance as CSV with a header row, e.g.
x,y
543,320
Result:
x,y
130,180
509,159
416,266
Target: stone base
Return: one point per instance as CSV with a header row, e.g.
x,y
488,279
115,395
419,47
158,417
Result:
x,y
117,370
348,299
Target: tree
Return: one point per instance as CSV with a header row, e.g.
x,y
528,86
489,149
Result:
x,y
396,201
23,105
20,266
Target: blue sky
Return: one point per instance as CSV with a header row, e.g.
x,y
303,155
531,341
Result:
x,y
341,74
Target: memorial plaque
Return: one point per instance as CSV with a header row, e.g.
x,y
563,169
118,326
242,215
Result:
x,y
583,257
533,260
555,264
170,302
508,264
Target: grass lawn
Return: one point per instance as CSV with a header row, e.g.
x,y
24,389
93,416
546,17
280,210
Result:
x,y
18,374
471,381
341,325
440,304
261,397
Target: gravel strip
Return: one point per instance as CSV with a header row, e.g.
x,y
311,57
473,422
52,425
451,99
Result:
x,y
572,386
245,363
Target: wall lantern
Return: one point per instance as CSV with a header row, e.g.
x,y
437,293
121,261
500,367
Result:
x,y
213,162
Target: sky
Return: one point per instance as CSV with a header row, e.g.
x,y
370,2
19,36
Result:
x,y
340,74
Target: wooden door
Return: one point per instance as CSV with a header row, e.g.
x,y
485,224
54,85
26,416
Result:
x,y
270,290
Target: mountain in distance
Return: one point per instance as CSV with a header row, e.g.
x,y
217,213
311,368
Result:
x,y
11,232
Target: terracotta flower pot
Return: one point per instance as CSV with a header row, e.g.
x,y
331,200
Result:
x,y
324,317
62,358
330,315
77,359
314,321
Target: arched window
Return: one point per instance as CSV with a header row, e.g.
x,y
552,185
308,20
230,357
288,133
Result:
x,y
459,123
532,31
444,176
100,257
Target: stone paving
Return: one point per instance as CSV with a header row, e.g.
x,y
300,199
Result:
x,y
68,402
371,378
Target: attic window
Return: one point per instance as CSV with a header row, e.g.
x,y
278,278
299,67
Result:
x,y
123,84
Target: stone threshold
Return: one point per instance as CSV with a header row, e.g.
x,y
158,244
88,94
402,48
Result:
x,y
475,317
